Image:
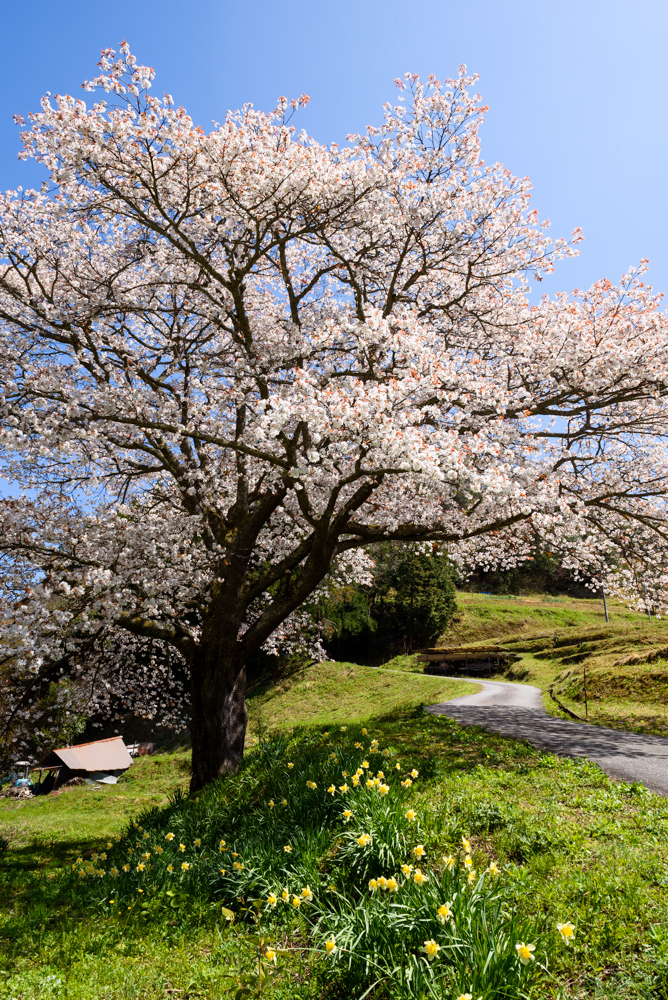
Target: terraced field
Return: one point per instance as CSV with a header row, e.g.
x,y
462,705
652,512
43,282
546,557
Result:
x,y
613,673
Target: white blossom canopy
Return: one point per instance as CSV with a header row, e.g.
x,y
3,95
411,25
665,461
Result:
x,y
230,360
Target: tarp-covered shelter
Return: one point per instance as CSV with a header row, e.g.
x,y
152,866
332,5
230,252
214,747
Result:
x,y
102,761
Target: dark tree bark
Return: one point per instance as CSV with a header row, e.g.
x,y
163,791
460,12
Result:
x,y
219,716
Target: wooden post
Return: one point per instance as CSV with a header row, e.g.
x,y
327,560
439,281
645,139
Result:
x,y
584,676
605,605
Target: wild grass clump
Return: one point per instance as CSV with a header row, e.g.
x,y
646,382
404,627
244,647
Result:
x,y
318,842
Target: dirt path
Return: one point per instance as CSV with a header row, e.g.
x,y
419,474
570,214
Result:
x,y
517,710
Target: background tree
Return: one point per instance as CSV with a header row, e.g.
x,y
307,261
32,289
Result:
x,y
409,603
230,361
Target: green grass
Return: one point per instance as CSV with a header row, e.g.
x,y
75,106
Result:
x,y
571,843
330,693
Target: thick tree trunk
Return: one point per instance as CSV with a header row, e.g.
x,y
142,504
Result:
x,y
219,717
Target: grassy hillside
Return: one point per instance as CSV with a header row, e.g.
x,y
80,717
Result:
x,y
560,639
332,692
570,845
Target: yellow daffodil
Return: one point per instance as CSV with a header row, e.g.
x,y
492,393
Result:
x,y
332,789
355,780
296,902
444,913
380,775
271,803
411,815
114,872
94,855
397,766
185,866
419,851
373,884
223,871
359,746
386,752
420,878
158,849
169,836
344,774
465,996
406,783
270,955
343,789
466,845
369,783
364,840
140,867
524,952
271,900
431,949
109,846
567,931
126,868
326,735
182,847
392,885
144,836
383,789
330,946
146,855
235,854
290,765
449,862
307,894
468,861
238,865
365,764
284,802
285,895
222,845
364,732
347,813
103,857
382,882
493,868
414,773
118,839
287,849
407,869
311,784
471,877
333,757
170,868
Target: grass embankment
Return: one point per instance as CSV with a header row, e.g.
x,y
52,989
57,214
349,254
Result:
x,y
560,639
571,846
330,693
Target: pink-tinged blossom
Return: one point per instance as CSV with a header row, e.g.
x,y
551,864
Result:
x,y
231,360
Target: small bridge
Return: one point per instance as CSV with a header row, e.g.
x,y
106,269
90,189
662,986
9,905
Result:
x,y
470,660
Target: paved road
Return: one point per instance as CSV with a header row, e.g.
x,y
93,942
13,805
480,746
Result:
x,y
517,710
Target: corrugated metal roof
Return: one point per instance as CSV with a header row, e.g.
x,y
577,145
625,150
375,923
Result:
x,y
103,755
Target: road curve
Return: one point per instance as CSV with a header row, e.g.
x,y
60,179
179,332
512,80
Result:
x,y
516,710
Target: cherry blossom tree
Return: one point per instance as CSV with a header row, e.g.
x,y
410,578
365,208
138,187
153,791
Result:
x,y
230,361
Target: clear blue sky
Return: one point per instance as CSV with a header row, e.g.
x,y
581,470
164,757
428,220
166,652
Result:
x,y
577,89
